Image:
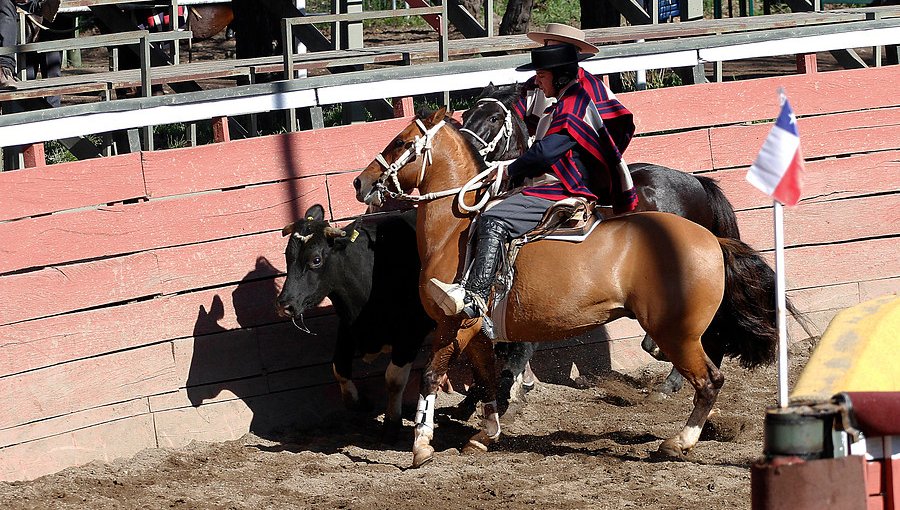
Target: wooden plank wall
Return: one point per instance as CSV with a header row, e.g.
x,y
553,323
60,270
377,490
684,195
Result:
x,y
137,290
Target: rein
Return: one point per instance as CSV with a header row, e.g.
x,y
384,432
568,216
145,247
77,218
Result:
x,y
506,131
423,145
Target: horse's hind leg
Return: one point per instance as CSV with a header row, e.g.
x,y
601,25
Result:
x,y
480,351
706,378
674,381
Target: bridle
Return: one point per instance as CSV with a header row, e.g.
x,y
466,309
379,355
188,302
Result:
x,y
423,145
505,131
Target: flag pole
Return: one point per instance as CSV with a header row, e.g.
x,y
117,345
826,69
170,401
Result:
x,y
780,306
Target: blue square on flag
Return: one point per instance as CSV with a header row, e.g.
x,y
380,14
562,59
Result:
x,y
779,165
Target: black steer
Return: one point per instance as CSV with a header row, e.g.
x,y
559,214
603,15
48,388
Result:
x,y
370,271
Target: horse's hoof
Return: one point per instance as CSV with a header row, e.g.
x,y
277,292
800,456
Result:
x,y
422,455
479,443
657,396
474,447
670,448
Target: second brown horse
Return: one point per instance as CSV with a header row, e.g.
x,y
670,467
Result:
x,y
700,297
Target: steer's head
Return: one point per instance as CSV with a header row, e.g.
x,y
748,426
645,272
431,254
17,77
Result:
x,y
314,265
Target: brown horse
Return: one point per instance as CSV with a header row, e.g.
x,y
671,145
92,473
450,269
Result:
x,y
700,297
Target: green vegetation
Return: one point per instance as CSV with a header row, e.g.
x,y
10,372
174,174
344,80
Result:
x,y
552,11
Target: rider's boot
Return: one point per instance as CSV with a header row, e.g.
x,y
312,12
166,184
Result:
x,y
471,300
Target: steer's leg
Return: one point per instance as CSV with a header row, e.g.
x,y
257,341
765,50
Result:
x,y
349,393
395,379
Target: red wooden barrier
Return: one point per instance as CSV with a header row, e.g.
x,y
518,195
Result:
x,y
43,190
154,318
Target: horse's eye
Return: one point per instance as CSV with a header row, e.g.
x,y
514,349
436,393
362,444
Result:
x,y
399,143
316,262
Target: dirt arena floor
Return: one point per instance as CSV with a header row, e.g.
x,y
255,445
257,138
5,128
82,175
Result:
x,y
570,448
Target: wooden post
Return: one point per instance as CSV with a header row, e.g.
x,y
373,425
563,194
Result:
x,y
876,51
806,63
443,50
403,107
220,130
146,85
173,26
891,55
34,155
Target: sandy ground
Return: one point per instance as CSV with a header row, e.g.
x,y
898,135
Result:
x,y
569,448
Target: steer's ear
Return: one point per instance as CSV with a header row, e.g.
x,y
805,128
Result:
x,y
316,212
287,230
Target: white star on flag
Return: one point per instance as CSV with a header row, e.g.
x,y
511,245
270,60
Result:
x,y
779,165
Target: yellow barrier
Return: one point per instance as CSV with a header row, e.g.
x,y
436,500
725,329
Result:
x,y
859,351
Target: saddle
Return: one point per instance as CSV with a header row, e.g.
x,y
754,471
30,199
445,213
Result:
x,y
569,219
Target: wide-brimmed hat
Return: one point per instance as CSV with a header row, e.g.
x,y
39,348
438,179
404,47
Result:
x,y
559,33
553,56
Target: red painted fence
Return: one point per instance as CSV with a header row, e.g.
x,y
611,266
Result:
x,y
137,290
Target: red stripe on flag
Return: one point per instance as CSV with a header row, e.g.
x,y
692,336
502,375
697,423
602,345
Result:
x,y
788,190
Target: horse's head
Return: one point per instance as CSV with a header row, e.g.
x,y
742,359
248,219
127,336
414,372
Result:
x,y
400,167
494,130
314,267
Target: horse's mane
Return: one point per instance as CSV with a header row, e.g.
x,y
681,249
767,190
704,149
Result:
x,y
506,94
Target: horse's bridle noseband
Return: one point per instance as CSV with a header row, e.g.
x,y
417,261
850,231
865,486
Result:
x,y
505,130
421,145
424,145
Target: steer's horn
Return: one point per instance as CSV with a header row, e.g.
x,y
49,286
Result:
x,y
303,239
334,232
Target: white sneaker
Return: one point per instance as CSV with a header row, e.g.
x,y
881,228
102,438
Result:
x,y
449,296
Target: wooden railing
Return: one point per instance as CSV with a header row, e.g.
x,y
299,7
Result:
x,y
34,127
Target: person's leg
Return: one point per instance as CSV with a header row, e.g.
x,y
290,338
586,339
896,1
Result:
x,y
511,218
51,67
9,31
9,36
49,8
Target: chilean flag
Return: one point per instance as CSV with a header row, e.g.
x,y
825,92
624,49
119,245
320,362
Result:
x,y
778,168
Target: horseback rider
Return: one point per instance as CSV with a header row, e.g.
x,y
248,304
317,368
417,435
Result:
x,y
570,158
532,102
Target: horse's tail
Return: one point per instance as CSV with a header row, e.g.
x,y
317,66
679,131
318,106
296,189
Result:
x,y
744,326
724,219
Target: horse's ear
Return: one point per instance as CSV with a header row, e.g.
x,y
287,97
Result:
x,y
316,212
439,115
488,91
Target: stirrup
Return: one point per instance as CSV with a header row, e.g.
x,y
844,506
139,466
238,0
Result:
x,y
451,297
454,299
487,327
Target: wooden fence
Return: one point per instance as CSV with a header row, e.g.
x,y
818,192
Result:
x,y
138,289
